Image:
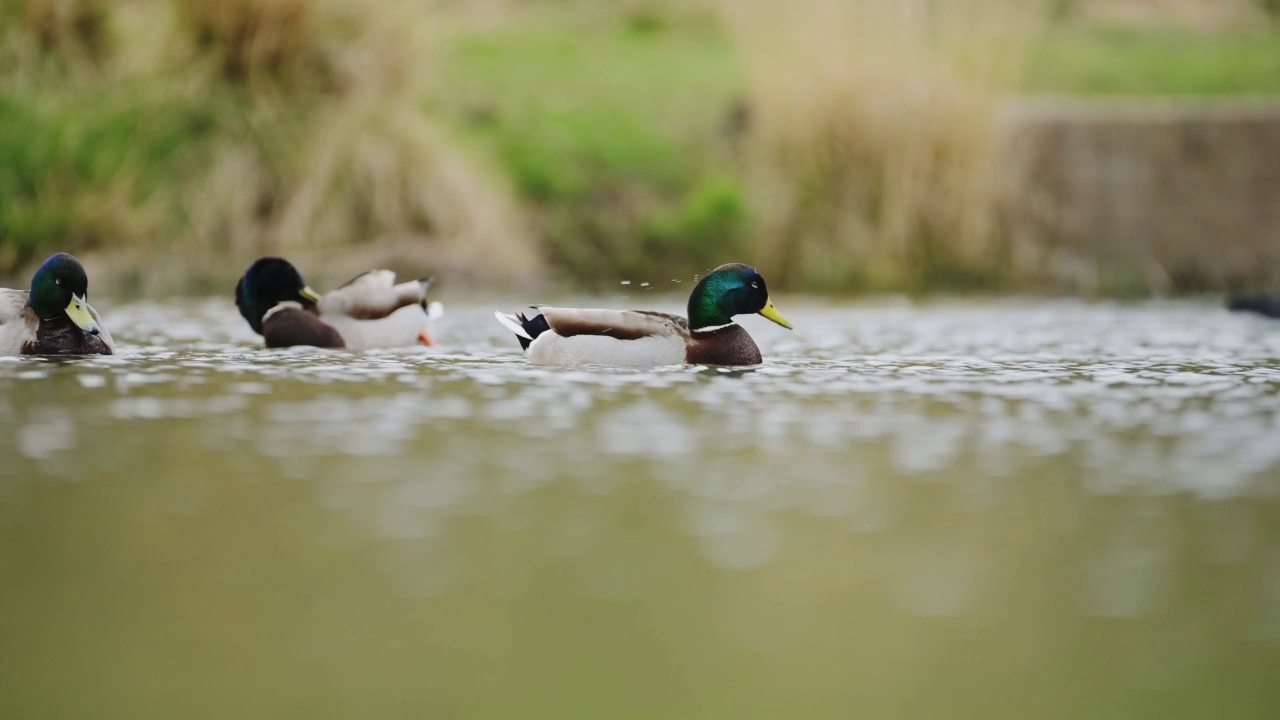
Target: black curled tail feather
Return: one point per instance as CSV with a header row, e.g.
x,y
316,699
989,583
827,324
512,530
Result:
x,y
1262,303
535,326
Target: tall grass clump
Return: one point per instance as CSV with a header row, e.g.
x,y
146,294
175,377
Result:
x,y
872,141
337,154
300,128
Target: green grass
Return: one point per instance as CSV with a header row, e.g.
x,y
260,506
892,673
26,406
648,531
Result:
x,y
1155,63
77,171
609,132
613,98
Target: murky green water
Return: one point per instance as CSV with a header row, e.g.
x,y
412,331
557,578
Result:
x,y
1031,510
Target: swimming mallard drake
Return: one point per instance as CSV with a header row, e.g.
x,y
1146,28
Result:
x,y
640,338
369,311
54,316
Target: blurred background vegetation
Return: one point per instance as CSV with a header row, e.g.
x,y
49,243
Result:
x,y
840,146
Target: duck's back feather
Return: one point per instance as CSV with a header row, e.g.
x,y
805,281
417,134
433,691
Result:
x,y
617,324
103,335
371,296
17,322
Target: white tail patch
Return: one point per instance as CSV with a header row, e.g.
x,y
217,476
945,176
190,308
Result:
x,y
435,309
512,323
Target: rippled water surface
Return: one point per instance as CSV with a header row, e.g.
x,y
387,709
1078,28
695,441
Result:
x,y
1016,509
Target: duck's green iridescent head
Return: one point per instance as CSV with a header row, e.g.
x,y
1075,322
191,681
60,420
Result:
x,y
733,289
268,282
61,287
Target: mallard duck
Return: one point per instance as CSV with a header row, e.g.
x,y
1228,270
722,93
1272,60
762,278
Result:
x,y
369,311
641,338
1262,303
54,317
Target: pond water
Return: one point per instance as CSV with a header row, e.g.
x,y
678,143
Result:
x,y
1004,509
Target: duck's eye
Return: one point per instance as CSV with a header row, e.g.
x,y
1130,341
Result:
x,y
755,285
57,282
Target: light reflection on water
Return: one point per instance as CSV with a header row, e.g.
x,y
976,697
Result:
x,y
1041,509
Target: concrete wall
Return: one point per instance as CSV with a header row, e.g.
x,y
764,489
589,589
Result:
x,y
1185,193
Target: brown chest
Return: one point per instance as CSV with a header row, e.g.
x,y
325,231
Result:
x,y
60,336
290,327
730,345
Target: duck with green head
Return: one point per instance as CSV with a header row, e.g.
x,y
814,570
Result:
x,y
641,338
369,311
53,317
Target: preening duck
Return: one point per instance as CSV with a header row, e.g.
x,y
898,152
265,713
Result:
x,y
641,338
369,311
53,317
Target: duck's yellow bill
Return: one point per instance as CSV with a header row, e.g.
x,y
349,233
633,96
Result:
x,y
78,311
310,294
772,313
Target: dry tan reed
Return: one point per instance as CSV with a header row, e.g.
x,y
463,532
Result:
x,y
1204,16
365,167
873,133
320,141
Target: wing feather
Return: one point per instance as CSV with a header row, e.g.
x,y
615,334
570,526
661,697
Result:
x,y
372,296
103,335
17,326
617,324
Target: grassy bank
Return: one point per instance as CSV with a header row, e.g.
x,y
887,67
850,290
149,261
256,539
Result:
x,y
611,131
1086,61
175,141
